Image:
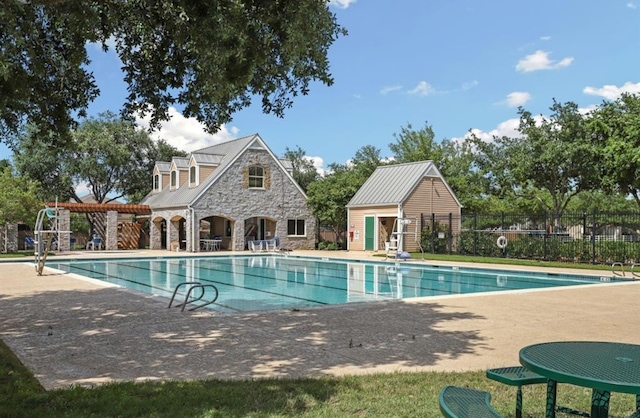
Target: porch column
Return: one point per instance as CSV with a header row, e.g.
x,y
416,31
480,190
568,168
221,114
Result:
x,y
111,240
64,224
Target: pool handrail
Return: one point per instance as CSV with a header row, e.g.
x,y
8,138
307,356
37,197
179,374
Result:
x,y
193,285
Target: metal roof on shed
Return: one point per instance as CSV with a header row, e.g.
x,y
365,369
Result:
x,y
392,184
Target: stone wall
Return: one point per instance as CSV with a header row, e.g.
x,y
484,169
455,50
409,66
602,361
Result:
x,y
172,217
282,201
9,238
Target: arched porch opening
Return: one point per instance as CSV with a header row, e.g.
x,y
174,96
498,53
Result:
x,y
216,228
158,234
177,233
259,228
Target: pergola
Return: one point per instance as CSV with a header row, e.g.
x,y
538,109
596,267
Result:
x,y
106,217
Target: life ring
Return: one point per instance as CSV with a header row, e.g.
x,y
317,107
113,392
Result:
x,y
502,242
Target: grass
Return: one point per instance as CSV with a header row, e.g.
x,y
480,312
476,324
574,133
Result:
x,y
376,395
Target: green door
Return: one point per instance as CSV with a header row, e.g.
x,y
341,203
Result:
x,y
369,228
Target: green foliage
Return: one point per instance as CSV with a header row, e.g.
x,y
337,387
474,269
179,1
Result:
x,y
18,198
304,172
329,195
328,245
616,125
430,238
548,248
551,162
110,156
211,58
455,160
415,145
374,395
365,161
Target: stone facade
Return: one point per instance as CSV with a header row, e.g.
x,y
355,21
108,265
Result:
x,y
229,198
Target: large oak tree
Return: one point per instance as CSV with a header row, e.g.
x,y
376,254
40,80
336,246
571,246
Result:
x,y
208,57
616,125
549,163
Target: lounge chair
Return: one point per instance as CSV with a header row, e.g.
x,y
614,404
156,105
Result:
x,y
255,246
271,245
29,243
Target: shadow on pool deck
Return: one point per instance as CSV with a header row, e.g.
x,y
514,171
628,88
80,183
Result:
x,y
69,330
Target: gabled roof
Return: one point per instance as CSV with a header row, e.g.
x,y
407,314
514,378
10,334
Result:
x,y
181,162
163,166
207,159
392,184
226,153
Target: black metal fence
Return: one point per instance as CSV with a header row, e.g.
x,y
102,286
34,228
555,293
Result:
x,y
597,237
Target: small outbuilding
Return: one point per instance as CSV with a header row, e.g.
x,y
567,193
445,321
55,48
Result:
x,y
389,211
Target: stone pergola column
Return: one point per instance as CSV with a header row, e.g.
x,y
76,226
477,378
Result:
x,y
64,225
111,240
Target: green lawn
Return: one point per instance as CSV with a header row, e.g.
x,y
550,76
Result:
x,y
378,395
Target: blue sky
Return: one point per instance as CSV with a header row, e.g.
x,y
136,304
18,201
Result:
x,y
454,64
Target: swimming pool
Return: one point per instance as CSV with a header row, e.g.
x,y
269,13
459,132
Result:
x,y
267,282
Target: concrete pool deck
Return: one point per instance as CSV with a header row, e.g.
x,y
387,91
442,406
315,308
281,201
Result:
x,y
71,330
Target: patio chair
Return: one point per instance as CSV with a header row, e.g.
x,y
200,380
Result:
x,y
95,243
29,243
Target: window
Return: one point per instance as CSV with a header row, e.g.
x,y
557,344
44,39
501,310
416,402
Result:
x,y
296,227
174,179
156,182
192,174
256,177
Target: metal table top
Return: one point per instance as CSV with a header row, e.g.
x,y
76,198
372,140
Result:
x,y
605,366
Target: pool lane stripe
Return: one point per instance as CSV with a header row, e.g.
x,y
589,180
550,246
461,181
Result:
x,y
141,284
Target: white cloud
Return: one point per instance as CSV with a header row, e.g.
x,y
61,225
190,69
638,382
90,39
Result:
x,y
632,5
389,89
545,38
341,4
422,89
611,92
187,134
517,98
469,85
539,60
507,128
318,163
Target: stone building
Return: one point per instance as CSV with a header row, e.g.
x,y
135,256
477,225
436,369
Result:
x,y
234,192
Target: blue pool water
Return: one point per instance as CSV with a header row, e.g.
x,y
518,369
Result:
x,y
250,283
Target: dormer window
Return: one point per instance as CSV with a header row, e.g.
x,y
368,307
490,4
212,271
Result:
x,y
174,179
256,177
156,182
193,175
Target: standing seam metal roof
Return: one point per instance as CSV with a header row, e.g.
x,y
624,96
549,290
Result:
x,y
226,153
392,184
